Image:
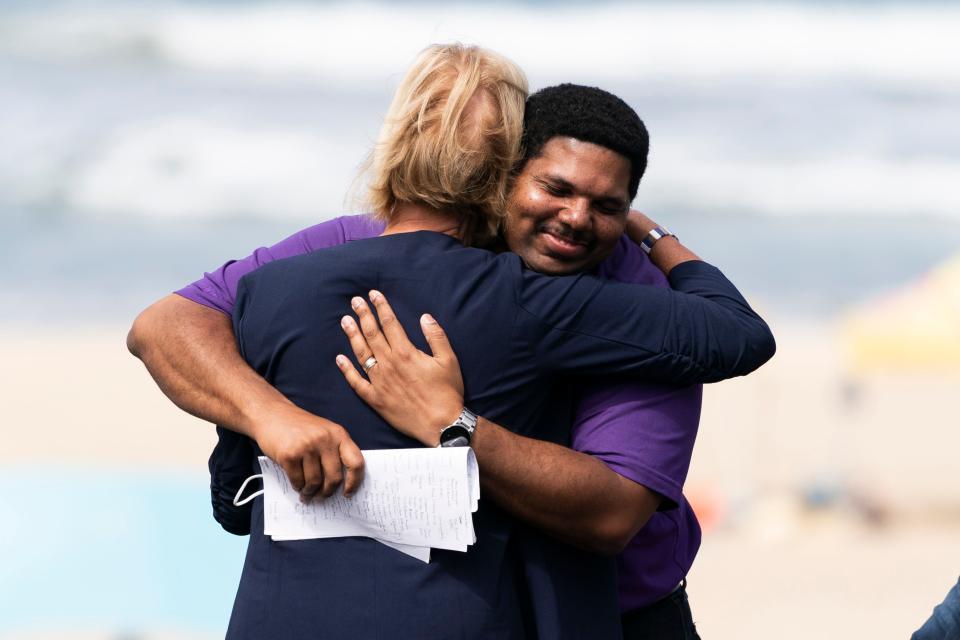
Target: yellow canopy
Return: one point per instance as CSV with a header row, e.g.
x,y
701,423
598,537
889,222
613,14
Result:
x,y
916,328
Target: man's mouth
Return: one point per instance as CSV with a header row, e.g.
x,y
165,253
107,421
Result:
x,y
564,246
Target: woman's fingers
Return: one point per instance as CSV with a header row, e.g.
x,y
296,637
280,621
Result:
x,y
437,339
391,328
358,342
360,385
370,329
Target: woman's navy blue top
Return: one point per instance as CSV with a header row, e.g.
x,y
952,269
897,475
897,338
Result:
x,y
514,331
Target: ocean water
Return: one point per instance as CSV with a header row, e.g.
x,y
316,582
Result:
x,y
810,149
96,551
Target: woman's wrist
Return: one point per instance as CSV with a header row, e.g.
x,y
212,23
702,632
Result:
x,y
639,226
440,418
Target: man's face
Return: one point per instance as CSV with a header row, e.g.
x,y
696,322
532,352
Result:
x,y
568,207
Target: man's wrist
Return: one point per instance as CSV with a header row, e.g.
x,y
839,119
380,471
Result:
x,y
249,421
257,414
485,436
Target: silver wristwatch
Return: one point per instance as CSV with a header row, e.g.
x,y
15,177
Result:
x,y
460,432
658,232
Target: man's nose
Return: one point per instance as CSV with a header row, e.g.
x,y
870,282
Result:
x,y
576,214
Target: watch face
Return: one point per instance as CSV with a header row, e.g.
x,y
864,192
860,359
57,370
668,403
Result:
x,y
455,436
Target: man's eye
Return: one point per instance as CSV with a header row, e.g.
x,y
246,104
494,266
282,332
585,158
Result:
x,y
554,190
610,209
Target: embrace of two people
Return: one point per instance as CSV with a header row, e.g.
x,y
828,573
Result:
x,y
501,295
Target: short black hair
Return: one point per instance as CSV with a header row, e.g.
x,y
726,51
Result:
x,y
588,114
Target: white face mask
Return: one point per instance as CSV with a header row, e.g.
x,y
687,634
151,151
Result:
x,y
237,502
410,499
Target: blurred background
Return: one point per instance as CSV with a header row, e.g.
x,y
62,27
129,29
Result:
x,y
810,149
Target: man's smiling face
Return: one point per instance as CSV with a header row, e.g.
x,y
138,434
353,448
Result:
x,y
568,206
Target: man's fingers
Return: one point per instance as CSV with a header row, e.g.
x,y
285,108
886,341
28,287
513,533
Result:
x,y
332,471
437,339
293,467
352,460
392,329
312,477
370,327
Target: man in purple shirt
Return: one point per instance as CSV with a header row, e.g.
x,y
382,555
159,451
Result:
x,y
620,488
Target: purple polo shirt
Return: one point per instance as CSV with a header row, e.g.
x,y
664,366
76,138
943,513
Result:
x,y
642,431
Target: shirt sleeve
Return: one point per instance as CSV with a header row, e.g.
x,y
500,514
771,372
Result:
x,y
218,289
702,331
643,431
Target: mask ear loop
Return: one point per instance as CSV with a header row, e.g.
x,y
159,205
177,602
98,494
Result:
x,y
236,500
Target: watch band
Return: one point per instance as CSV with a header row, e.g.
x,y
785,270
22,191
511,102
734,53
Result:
x,y
656,234
460,432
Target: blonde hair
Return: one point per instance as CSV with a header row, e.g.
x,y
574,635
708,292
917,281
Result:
x,y
451,137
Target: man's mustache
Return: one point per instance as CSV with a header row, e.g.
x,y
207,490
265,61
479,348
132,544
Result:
x,y
564,232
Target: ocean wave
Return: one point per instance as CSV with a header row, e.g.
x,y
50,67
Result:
x,y
360,43
161,142
191,168
842,184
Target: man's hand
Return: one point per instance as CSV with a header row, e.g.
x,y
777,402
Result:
x,y
191,352
313,451
416,392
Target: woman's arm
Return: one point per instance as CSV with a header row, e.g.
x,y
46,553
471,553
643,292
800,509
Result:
x,y
667,252
701,331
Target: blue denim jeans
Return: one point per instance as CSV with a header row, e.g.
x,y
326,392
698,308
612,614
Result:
x,y
944,624
666,619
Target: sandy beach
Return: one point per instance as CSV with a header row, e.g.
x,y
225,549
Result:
x,y
839,508
828,497
80,398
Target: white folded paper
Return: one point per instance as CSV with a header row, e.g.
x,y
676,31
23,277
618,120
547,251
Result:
x,y
410,499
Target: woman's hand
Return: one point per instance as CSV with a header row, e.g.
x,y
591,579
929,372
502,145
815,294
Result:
x,y
418,393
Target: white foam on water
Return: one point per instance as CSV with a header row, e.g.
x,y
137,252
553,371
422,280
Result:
x,y
363,42
848,184
191,168
163,166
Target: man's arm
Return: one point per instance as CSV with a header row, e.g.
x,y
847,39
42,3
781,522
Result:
x,y
191,352
572,496
187,343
